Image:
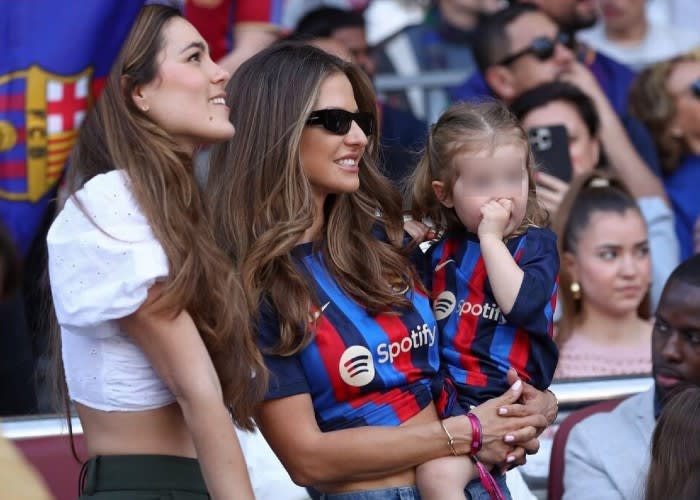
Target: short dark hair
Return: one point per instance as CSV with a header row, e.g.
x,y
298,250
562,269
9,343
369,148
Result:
x,y
687,272
558,91
491,44
323,22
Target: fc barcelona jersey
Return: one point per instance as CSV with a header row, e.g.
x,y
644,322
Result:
x,y
478,343
359,369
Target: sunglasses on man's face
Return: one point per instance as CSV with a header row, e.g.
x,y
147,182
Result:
x,y
695,88
542,48
339,121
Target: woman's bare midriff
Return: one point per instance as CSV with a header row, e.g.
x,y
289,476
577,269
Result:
x,y
151,432
403,478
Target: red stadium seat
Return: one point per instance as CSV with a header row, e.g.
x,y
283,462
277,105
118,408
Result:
x,y
53,459
555,482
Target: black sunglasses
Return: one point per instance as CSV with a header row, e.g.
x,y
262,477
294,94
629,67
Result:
x,y
695,88
339,121
542,48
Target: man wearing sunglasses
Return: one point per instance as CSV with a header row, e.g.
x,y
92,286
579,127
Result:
x,y
567,16
520,48
574,15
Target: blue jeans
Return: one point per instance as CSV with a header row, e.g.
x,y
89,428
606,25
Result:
x,y
402,493
474,491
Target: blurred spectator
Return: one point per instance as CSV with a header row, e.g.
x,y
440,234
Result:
x,y
627,35
295,10
674,470
563,103
441,42
236,29
520,47
666,97
570,16
604,281
401,132
607,454
346,27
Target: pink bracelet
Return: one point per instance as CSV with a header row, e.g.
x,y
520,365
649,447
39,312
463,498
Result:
x,y
488,482
476,433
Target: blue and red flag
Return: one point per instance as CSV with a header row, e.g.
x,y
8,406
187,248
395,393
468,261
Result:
x,y
55,57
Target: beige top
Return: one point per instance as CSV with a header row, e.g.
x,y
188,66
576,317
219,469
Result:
x,y
581,358
19,480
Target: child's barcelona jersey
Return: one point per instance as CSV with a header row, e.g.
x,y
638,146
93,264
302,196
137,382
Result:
x,y
358,369
478,343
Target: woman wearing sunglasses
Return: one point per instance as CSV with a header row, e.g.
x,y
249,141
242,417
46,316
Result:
x,y
666,97
346,329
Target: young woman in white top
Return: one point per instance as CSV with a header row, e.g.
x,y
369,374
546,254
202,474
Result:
x,y
148,307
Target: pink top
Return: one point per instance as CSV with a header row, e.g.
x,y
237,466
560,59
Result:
x,y
580,357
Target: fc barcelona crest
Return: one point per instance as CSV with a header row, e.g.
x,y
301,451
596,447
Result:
x,y
40,113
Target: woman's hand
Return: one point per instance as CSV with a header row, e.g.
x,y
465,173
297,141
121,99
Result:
x,y
531,402
500,434
550,191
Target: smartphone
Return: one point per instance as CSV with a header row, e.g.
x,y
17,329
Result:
x,y
550,146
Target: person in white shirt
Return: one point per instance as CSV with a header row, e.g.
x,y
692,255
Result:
x,y
148,306
626,34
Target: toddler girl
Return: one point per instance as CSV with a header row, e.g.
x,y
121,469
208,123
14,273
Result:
x,y
492,274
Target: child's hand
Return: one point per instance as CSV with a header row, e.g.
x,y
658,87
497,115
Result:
x,y
495,215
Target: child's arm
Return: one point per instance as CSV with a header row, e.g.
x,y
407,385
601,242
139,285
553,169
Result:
x,y
505,276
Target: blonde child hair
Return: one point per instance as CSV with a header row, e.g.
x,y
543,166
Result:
x,y
468,128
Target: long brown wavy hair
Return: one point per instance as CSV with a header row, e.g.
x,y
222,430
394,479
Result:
x,y
674,469
118,135
468,128
653,104
589,193
263,201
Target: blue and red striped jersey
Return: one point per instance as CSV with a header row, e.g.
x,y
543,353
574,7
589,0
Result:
x,y
478,343
359,369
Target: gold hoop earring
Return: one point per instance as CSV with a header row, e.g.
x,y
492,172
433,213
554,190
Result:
x,y
145,109
575,288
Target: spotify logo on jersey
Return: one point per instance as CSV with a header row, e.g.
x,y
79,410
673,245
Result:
x,y
356,366
444,305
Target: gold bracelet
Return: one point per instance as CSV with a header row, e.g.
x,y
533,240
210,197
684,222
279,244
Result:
x,y
450,439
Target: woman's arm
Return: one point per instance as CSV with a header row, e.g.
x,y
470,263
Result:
x,y
313,457
176,351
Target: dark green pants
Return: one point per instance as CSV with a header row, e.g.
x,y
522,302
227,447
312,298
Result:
x,y
143,477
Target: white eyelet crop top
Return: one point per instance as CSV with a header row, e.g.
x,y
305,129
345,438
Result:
x,y
96,279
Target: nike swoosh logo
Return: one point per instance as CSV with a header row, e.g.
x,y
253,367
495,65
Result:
x,y
443,264
323,307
